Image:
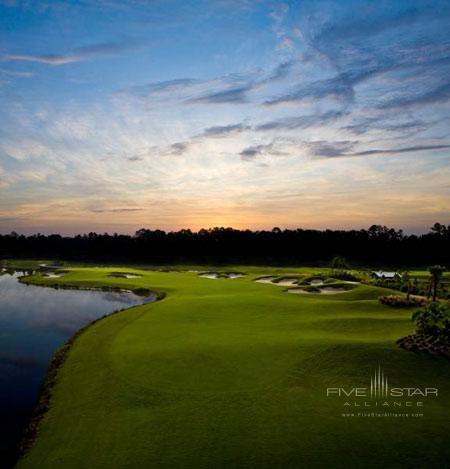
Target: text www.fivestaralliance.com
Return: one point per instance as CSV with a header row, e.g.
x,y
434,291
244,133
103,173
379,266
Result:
x,y
381,414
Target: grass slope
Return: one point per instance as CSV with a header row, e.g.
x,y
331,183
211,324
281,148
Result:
x,y
232,374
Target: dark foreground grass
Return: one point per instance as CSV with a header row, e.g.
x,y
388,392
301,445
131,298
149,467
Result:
x,y
228,373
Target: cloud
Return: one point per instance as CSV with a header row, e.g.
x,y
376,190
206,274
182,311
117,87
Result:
x,y
223,130
115,210
280,72
251,152
401,150
16,73
339,87
237,95
286,43
162,87
412,40
300,122
77,55
438,94
377,123
178,148
135,158
322,148
227,89
343,149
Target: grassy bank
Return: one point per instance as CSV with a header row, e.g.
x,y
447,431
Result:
x,y
233,373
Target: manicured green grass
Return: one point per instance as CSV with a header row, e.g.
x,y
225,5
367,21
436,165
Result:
x,y
228,373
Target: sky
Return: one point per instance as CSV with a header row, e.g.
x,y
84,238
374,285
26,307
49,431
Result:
x,y
178,114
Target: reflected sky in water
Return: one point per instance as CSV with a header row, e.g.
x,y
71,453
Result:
x,y
34,322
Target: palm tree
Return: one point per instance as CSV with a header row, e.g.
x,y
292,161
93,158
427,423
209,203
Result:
x,y
339,263
432,320
407,281
436,272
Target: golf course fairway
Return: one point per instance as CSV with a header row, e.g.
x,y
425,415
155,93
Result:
x,y
230,373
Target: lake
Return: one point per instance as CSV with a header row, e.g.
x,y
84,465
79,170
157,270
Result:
x,y
34,322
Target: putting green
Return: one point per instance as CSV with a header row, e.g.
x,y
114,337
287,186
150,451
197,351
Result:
x,y
230,373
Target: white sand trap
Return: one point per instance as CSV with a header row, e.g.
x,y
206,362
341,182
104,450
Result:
x,y
323,291
316,281
53,275
332,290
209,275
124,275
299,291
286,283
268,279
221,275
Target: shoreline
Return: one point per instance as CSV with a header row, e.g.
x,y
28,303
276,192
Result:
x,y
31,430
141,292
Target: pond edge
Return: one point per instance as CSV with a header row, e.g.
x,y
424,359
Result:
x,y
31,431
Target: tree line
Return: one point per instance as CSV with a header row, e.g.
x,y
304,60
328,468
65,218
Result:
x,y
378,245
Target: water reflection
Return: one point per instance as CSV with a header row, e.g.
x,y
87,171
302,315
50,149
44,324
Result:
x,y
34,322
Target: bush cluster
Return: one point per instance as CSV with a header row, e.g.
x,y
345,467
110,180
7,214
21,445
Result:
x,y
425,343
432,330
401,301
346,276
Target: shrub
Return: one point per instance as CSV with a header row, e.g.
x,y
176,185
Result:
x,y
346,276
433,320
432,330
142,291
400,301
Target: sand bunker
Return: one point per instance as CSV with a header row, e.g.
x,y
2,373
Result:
x,y
265,279
216,275
280,281
53,275
286,282
124,275
299,291
316,281
209,275
321,291
332,290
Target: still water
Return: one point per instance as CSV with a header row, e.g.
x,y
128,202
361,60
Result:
x,y
34,322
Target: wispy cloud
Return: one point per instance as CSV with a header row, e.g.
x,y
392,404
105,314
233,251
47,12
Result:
x,y
253,151
115,210
16,73
236,95
233,88
364,125
438,94
178,148
343,149
77,55
223,130
300,122
411,149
